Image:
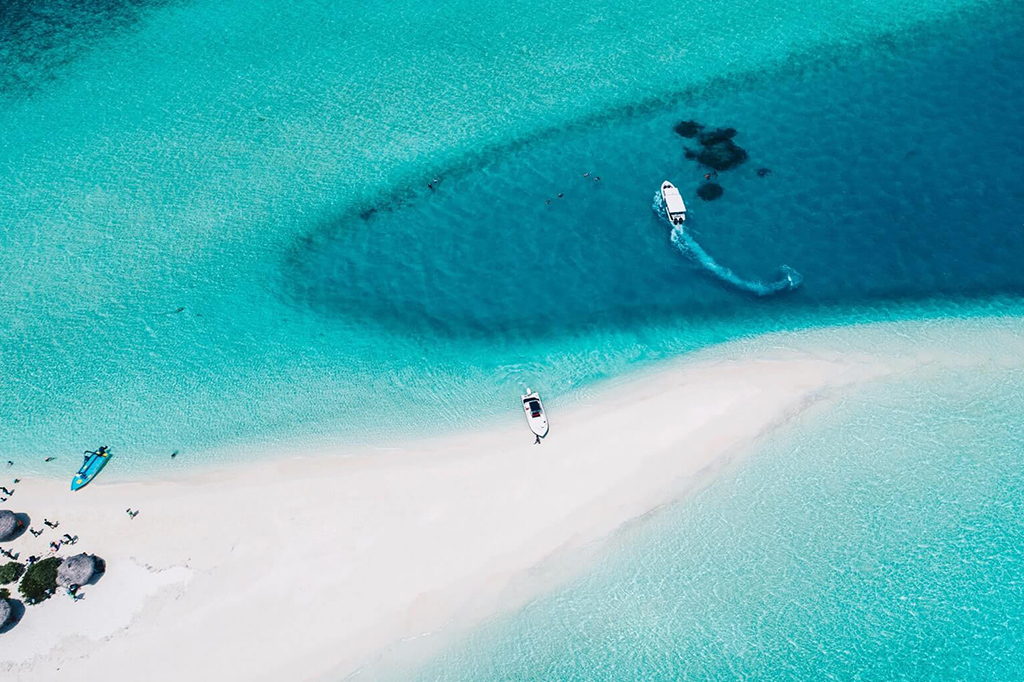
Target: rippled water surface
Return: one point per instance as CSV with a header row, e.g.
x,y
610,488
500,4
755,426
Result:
x,y
217,228
883,540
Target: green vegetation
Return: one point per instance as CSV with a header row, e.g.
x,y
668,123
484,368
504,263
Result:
x,y
40,581
10,572
4,593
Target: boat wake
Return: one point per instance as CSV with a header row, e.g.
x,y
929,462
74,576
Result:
x,y
687,245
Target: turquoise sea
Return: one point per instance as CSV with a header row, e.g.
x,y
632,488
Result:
x,y
883,540
229,227
217,230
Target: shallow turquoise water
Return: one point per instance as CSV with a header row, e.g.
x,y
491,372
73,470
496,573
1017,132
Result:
x,y
882,540
217,158
215,231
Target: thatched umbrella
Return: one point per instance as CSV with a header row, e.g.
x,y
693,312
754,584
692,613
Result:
x,y
5,612
8,524
76,570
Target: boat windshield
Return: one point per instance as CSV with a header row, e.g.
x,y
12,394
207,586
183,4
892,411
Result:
x,y
535,407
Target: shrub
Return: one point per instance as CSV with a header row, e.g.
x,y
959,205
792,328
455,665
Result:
x,y
39,581
4,593
10,572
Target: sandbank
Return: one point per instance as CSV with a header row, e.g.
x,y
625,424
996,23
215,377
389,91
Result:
x,y
310,566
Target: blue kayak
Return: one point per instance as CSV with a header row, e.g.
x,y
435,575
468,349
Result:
x,y
93,464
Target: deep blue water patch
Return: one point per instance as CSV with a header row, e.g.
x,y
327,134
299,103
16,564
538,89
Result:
x,y
39,37
883,187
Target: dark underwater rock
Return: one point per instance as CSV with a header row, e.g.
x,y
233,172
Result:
x,y
722,156
716,136
688,128
710,191
689,153
764,172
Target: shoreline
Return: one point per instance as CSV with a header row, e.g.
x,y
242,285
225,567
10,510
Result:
x,y
311,567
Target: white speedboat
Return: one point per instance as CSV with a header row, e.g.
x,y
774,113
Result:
x,y
674,206
535,416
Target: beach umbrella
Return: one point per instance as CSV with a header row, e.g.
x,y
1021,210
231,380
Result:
x,y
76,570
5,612
8,524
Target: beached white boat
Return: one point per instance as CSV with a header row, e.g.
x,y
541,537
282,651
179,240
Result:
x,y
535,416
674,206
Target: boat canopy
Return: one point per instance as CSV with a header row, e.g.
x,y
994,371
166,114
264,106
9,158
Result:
x,y
673,202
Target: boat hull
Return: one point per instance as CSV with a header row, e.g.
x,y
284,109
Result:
x,y
90,468
675,208
538,422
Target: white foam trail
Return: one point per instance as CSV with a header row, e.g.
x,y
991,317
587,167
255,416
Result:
x,y
684,241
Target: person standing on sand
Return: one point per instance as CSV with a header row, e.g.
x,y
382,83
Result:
x,y
537,442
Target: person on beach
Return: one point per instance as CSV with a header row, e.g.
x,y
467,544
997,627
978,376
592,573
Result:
x,y
35,532
537,441
50,524
70,540
55,546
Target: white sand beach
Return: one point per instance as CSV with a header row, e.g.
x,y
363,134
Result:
x,y
306,568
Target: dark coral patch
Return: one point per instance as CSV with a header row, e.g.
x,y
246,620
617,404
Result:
x,y
690,154
688,128
722,156
716,136
710,191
